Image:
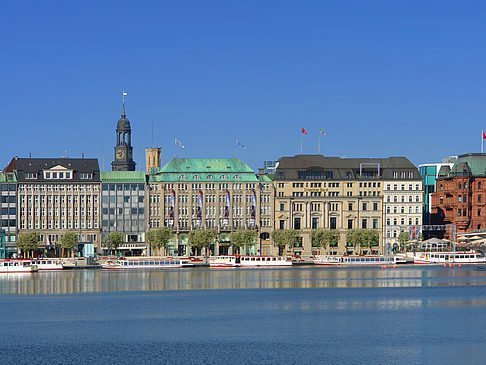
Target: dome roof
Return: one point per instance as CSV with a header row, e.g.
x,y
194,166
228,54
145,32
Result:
x,y
123,123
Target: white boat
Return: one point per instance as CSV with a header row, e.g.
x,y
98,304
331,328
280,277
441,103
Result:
x,y
249,261
444,257
15,265
265,261
148,263
345,260
224,261
48,264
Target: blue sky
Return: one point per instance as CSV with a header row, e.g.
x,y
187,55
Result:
x,y
382,78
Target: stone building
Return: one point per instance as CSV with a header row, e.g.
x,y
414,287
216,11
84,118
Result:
x,y
8,219
460,196
313,191
59,195
219,193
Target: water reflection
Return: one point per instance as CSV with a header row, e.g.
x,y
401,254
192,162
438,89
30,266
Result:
x,y
76,281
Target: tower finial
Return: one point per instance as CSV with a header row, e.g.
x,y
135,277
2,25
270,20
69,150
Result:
x,y
124,93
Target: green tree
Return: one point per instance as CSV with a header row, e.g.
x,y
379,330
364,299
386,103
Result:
x,y
68,240
369,238
284,238
323,238
28,242
113,240
160,237
403,239
242,238
353,238
202,238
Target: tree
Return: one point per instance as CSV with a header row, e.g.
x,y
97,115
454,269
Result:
x,y
68,240
113,240
160,237
353,238
241,238
369,238
28,241
403,238
202,238
323,237
284,238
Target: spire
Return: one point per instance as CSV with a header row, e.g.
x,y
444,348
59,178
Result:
x,y
124,93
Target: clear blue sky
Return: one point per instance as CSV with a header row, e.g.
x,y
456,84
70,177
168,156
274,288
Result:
x,y
382,78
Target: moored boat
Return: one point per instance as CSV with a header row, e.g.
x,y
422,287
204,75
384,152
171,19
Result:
x,y
17,265
48,264
345,260
249,261
445,257
147,263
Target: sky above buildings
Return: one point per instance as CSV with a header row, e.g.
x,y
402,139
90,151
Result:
x,y
381,78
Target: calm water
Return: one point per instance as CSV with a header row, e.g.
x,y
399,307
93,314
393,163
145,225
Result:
x,y
298,315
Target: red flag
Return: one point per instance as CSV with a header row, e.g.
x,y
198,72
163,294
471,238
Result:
x,y
484,134
304,131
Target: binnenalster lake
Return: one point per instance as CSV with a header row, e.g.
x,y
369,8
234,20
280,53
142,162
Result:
x,y
299,315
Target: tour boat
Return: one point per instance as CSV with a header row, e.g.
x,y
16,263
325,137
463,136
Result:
x,y
48,264
438,257
162,263
345,260
249,261
11,266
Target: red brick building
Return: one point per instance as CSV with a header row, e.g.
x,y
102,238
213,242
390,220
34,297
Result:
x,y
460,196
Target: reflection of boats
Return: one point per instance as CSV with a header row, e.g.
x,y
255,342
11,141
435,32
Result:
x,y
249,261
480,268
344,260
162,263
439,257
10,266
48,264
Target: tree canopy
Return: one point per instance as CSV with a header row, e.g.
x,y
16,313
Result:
x,y
68,240
160,237
202,238
362,237
285,237
322,237
28,241
243,237
113,240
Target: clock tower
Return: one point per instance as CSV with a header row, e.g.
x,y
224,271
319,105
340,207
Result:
x,y
123,149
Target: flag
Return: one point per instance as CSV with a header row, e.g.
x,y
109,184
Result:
x,y
304,131
179,143
239,144
484,135
125,93
322,132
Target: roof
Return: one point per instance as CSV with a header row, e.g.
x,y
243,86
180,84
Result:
x,y
204,169
345,168
469,164
123,176
77,165
8,177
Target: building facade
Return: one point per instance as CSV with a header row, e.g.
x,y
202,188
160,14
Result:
x,y
217,193
8,221
123,208
460,195
60,195
313,191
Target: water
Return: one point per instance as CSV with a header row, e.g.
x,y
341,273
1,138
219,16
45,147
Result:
x,y
203,316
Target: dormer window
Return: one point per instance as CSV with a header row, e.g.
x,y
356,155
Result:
x,y
196,177
31,175
223,177
182,177
47,175
210,177
54,175
236,177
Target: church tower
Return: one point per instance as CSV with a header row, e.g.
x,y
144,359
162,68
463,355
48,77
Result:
x,y
123,149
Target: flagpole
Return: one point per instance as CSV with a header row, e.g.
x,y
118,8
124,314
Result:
x,y
236,147
301,143
319,143
482,142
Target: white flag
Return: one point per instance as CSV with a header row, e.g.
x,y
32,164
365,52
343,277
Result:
x,y
179,143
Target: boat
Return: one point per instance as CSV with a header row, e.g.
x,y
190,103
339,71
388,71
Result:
x,y
147,263
249,261
350,260
48,263
17,265
449,257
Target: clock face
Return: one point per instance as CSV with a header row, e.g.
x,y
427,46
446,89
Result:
x,y
120,154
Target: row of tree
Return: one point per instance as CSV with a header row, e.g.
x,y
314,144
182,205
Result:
x,y
202,239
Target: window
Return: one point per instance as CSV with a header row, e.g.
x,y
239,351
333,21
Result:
x,y
350,206
479,185
315,222
296,223
375,206
479,198
364,222
282,207
364,206
350,224
375,223
332,223
282,224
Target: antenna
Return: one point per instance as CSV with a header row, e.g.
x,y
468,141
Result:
x,y
152,133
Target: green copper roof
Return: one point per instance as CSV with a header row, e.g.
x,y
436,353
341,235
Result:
x,y
470,164
8,177
204,169
123,176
